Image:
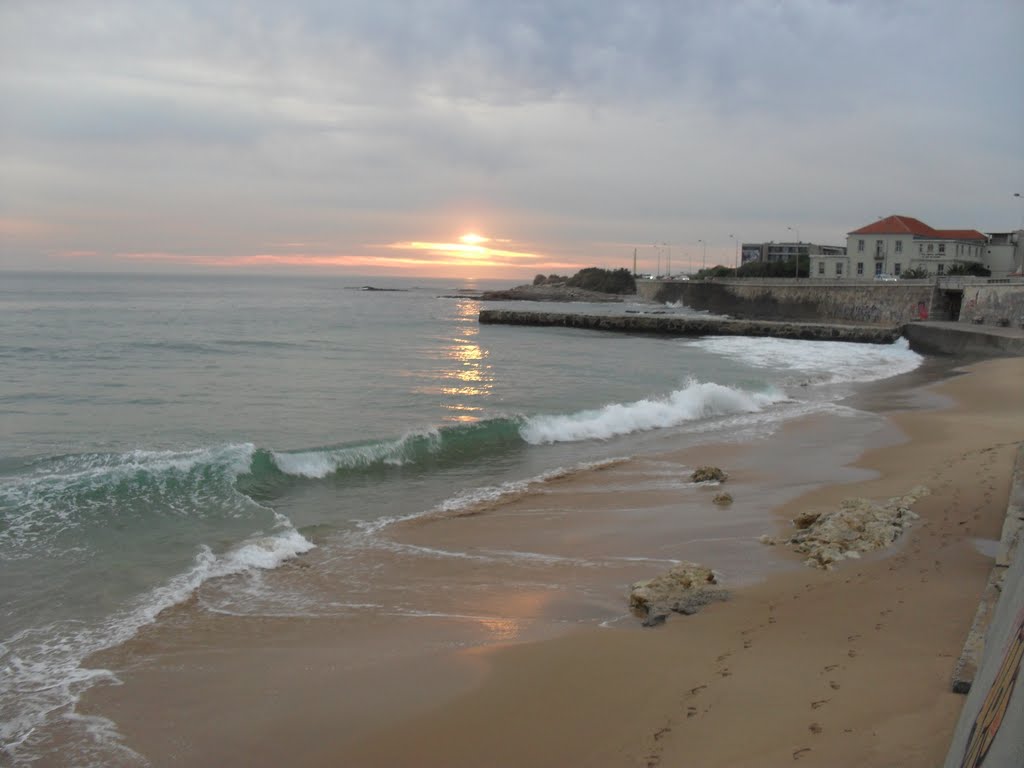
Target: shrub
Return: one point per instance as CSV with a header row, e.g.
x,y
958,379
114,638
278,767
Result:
x,y
604,280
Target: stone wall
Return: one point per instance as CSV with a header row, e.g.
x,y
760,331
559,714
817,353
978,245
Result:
x,y
993,304
843,301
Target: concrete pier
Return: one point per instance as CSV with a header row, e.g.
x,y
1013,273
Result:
x,y
672,325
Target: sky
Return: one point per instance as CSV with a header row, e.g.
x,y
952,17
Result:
x,y
495,138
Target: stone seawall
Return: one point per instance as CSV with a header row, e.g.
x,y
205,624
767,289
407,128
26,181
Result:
x,y
993,304
812,300
700,326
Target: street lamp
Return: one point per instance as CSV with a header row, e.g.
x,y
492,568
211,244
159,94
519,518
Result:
x,y
704,258
1020,245
796,257
736,263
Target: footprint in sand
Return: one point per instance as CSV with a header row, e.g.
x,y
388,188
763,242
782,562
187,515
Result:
x,y
819,703
801,753
748,643
830,667
833,685
851,653
698,689
691,712
659,734
815,728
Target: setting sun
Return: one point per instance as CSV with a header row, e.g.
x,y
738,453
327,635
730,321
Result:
x,y
473,239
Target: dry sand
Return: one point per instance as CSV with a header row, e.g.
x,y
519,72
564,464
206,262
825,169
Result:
x,y
849,667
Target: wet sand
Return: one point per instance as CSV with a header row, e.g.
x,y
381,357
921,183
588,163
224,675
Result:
x,y
534,661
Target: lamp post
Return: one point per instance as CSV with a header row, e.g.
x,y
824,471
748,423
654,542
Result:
x,y
736,263
704,258
1020,245
796,257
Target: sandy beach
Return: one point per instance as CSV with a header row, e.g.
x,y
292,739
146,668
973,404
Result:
x,y
849,667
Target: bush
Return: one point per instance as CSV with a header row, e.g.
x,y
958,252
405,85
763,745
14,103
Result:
x,y
969,268
604,280
915,273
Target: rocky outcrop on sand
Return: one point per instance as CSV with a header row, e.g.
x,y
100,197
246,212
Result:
x,y
556,292
859,525
685,588
708,475
722,499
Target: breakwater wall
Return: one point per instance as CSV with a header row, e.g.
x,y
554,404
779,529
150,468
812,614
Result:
x,y
842,301
696,326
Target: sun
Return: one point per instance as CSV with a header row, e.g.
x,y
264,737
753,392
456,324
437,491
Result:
x,y
473,239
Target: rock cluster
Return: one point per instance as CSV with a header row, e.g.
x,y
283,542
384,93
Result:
x,y
722,499
708,475
686,588
859,525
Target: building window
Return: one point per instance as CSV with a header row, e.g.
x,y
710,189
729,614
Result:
x,y
896,269
941,269
878,267
920,248
860,267
930,247
942,247
860,245
821,267
839,269
899,246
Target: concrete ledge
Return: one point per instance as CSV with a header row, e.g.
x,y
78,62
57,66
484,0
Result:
x,y
966,666
950,338
992,718
696,326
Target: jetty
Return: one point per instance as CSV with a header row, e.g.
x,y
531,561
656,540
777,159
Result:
x,y
673,325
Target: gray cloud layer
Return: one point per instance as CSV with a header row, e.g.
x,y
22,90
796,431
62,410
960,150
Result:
x,y
577,128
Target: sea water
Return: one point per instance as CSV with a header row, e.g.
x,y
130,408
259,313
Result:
x,y
162,434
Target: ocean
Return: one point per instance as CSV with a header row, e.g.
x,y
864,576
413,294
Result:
x,y
179,439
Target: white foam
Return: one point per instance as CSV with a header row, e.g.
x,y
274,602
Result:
x,y
817,361
695,402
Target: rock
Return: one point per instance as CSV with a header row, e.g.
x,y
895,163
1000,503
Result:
x,y
806,519
708,475
722,499
771,541
859,525
685,588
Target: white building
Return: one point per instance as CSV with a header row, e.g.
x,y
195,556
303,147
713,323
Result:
x,y
895,244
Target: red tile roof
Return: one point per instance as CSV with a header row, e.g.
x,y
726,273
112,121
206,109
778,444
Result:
x,y
897,225
961,234
907,225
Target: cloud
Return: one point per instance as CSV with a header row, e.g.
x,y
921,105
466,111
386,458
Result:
x,y
214,128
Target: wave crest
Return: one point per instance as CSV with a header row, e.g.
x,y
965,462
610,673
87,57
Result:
x,y
695,401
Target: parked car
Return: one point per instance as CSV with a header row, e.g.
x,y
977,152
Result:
x,y
886,278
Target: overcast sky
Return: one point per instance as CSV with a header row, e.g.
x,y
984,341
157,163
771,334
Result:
x,y
362,137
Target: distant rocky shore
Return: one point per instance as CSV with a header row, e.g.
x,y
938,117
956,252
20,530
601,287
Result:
x,y
557,292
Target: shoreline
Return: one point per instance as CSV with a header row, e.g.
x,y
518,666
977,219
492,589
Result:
x,y
850,667
520,688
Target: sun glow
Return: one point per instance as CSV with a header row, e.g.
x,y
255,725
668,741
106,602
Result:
x,y
473,239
